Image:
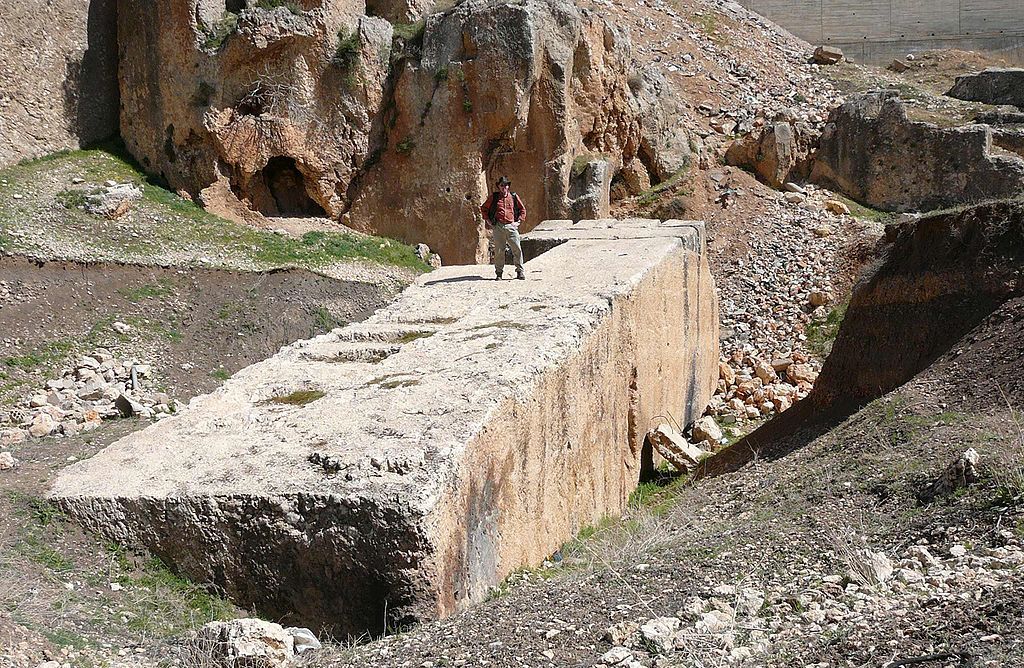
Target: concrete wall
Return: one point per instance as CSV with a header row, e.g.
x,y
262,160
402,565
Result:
x,y
58,76
468,429
876,31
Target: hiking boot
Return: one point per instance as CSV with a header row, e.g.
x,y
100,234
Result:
x,y
497,277
520,275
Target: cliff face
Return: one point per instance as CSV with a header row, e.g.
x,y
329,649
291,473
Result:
x,y
318,109
58,76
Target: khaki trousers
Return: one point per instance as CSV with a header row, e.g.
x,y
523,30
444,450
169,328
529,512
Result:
x,y
506,235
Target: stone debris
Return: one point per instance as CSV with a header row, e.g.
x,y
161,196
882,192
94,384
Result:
x,y
96,388
737,623
114,200
245,642
753,388
7,461
671,445
827,55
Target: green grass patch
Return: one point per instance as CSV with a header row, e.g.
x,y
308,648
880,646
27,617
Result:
x,y
167,227
325,321
821,334
172,604
409,32
409,337
347,53
220,374
297,398
163,287
649,197
216,34
46,355
867,213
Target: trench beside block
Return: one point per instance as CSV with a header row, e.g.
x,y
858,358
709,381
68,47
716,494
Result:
x,y
404,465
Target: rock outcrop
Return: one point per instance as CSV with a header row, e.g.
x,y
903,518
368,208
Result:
x,y
937,278
518,89
873,153
314,108
777,153
58,66
404,465
995,85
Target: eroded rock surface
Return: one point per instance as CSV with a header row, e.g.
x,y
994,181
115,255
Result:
x,y
318,109
408,463
872,152
995,85
937,279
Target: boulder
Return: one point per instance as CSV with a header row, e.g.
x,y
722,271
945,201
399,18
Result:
x,y
7,461
241,643
674,447
777,153
827,55
995,85
297,487
871,152
635,176
113,201
707,430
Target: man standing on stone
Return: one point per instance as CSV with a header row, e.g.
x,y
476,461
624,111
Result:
x,y
503,211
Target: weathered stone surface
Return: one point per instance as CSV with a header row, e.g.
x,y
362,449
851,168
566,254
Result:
x,y
420,478
938,278
995,85
674,447
777,153
873,153
59,73
827,55
326,112
246,642
517,89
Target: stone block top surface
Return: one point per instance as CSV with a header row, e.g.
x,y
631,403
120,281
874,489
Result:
x,y
386,406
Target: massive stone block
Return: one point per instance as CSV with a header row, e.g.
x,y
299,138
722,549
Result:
x,y
871,151
468,429
995,85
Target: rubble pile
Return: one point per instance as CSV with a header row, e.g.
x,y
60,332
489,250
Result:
x,y
96,388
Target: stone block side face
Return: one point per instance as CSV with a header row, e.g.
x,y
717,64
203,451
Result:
x,y
568,454
320,560
872,152
58,69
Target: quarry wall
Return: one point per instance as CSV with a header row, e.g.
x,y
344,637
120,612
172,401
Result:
x,y
58,76
876,31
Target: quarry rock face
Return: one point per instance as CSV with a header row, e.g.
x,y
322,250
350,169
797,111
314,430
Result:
x,y
777,153
404,465
318,109
873,153
516,89
995,85
253,109
58,68
938,278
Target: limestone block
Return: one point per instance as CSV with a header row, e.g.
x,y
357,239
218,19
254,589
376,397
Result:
x,y
330,487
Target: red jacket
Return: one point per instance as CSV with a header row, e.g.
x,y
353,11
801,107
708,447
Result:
x,y
505,212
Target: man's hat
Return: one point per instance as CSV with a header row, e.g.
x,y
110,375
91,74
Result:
x,y
504,181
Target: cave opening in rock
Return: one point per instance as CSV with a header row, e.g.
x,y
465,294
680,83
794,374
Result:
x,y
234,6
280,190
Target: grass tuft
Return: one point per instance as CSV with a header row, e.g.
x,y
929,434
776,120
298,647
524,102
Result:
x,y
298,397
